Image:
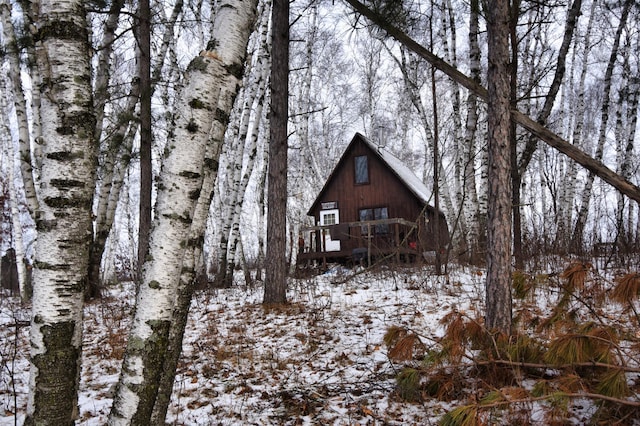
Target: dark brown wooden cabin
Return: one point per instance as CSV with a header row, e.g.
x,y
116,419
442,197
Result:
x,y
371,207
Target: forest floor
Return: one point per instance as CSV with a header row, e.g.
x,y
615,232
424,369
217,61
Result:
x,y
321,359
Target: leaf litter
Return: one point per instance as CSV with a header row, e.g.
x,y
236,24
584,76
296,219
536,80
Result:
x,y
320,359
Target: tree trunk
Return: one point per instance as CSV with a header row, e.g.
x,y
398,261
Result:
x,y
205,100
516,178
20,104
189,276
581,221
498,287
16,231
146,174
64,226
275,286
116,148
568,191
471,206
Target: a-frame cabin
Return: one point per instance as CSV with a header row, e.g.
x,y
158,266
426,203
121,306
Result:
x,y
371,207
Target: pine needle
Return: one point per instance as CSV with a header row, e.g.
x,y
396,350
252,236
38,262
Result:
x,y
408,382
590,344
576,275
614,384
403,349
627,288
522,284
466,415
393,334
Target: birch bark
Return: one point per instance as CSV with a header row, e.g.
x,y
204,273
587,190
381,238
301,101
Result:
x,y
626,123
64,226
258,83
210,86
16,223
188,276
471,207
20,105
581,220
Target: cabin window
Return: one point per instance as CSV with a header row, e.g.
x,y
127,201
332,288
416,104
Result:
x,y
379,213
362,169
329,219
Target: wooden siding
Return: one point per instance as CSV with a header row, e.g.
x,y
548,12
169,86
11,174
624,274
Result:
x,y
383,190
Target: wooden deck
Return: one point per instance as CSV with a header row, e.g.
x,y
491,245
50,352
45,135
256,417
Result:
x,y
360,242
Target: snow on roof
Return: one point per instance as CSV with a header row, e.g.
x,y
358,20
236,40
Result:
x,y
413,182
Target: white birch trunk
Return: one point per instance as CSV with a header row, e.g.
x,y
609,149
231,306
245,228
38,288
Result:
x,y
211,83
64,226
103,69
18,245
249,136
626,123
117,148
470,206
244,182
20,105
188,277
578,230
568,191
235,154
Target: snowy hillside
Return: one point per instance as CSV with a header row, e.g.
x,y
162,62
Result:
x,y
320,360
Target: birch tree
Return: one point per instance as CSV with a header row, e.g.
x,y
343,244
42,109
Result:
x,y
206,98
565,202
64,225
580,223
626,124
117,140
242,142
20,104
16,222
471,202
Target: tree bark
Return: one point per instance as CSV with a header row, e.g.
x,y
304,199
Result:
x,y
205,100
275,286
498,286
146,173
475,240
64,226
189,275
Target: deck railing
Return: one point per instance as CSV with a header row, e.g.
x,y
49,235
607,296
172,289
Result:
x,y
360,240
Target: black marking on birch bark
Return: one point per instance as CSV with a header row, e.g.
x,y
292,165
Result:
x,y
67,183
65,155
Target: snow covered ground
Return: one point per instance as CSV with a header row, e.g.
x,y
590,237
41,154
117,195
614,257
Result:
x,y
319,360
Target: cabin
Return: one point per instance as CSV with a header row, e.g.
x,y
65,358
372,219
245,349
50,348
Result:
x,y
371,207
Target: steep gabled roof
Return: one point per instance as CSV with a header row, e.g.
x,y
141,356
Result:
x,y
406,176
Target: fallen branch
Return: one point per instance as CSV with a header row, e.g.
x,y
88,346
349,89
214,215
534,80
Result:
x,y
550,138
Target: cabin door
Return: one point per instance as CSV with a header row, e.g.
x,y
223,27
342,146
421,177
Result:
x,y
329,217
